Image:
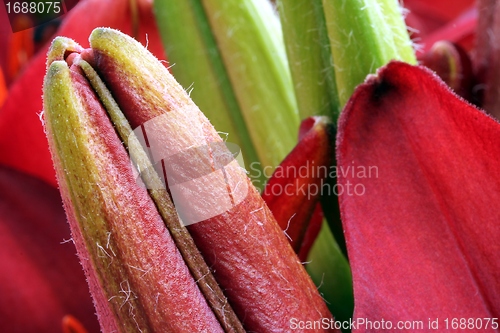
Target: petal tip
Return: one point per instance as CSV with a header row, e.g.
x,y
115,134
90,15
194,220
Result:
x,y
60,48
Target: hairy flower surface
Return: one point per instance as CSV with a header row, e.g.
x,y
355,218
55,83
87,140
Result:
x,y
134,264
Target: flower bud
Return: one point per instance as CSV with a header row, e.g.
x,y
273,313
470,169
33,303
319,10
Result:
x,y
132,264
137,273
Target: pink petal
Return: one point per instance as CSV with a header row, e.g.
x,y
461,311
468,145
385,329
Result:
x,y
423,236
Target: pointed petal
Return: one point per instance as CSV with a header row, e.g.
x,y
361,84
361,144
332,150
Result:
x,y
296,185
422,229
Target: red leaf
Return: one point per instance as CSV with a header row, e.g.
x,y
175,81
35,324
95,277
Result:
x,y
423,237
41,279
22,141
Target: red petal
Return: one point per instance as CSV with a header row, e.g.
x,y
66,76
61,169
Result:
x,y
423,237
41,279
22,140
312,232
296,185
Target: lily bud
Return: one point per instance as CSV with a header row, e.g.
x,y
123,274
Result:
x,y
139,276
132,264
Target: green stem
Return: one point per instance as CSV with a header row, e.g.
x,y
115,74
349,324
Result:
x,y
309,56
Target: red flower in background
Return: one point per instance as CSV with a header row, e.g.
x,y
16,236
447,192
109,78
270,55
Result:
x,y
42,280
432,21
22,140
